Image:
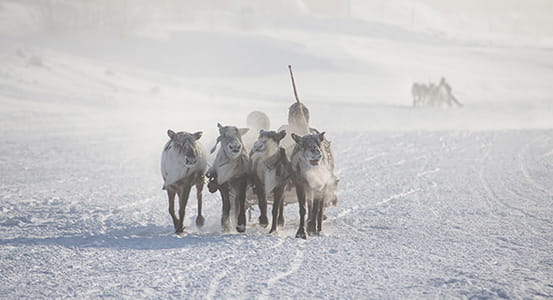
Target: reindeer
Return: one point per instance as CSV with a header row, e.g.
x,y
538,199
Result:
x,y
417,93
420,93
183,164
433,94
269,175
229,174
312,171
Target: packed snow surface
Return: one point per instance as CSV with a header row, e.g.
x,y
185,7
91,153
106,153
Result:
x,y
434,203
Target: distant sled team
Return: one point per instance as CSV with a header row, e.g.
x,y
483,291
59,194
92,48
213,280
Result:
x,y
435,95
293,164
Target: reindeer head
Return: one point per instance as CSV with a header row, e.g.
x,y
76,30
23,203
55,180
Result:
x,y
230,138
310,146
268,140
185,143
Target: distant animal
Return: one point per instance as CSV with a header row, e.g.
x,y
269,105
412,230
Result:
x,y
269,175
229,174
312,173
183,165
419,91
433,95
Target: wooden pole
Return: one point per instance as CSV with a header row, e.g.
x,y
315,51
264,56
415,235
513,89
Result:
x,y
300,106
294,85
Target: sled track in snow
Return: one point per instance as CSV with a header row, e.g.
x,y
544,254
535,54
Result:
x,y
524,169
493,195
294,265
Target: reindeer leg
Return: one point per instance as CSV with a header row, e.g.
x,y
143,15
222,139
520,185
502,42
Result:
x,y
171,194
301,202
320,215
199,187
309,210
241,197
277,195
281,209
311,221
183,200
262,199
224,189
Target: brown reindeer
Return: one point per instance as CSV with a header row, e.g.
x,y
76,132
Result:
x,y
313,176
269,175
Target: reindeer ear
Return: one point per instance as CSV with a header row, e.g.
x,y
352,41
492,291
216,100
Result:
x,y
171,133
322,136
281,134
243,131
296,138
198,135
219,125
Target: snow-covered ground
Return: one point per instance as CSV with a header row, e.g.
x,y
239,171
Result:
x,y
434,203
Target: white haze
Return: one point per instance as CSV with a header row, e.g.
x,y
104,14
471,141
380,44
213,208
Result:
x,y
88,90
363,54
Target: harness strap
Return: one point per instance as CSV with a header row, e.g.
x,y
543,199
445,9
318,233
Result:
x,y
216,143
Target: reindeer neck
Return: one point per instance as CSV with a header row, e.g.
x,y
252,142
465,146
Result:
x,y
271,151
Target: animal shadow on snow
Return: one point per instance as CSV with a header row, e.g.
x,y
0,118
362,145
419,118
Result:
x,y
138,238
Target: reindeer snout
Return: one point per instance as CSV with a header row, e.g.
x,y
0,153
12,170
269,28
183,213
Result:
x,y
258,146
190,160
235,147
316,154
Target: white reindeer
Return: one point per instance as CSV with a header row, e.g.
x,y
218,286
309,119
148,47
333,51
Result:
x,y
183,164
229,174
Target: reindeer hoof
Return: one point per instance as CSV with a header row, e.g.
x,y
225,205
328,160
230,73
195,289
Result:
x,y
200,221
273,230
212,186
281,222
241,228
311,230
263,221
301,234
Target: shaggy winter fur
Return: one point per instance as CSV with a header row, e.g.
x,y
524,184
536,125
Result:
x,y
312,170
183,164
269,175
229,174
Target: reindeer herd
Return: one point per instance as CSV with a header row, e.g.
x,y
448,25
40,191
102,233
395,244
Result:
x,y
436,95
266,169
